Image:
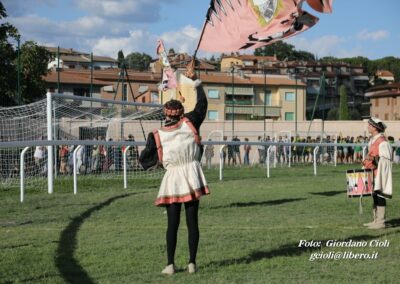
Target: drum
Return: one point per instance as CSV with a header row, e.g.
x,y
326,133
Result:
x,y
359,182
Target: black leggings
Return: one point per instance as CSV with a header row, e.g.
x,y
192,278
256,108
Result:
x,y
378,201
174,213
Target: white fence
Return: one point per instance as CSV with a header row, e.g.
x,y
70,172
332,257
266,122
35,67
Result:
x,y
270,160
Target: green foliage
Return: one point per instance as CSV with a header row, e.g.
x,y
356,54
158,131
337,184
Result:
x,y
333,114
34,60
8,76
355,114
284,51
389,63
121,58
138,61
33,65
109,112
343,107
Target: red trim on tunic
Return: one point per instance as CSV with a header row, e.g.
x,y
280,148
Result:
x,y
374,152
158,144
195,195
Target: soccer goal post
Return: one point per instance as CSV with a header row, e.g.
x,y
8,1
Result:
x,y
59,119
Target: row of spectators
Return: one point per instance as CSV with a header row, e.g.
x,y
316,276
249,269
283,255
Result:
x,y
98,158
299,154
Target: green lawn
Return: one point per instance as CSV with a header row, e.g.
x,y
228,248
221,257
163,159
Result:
x,y
250,229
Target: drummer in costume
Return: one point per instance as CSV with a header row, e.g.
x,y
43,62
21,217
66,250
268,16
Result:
x,y
177,147
379,159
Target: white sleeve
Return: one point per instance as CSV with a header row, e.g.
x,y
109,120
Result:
x,y
385,150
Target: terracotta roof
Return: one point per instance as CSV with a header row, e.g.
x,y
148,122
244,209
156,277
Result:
x,y
384,73
251,80
387,87
103,77
75,58
104,59
252,57
73,78
390,93
62,50
108,75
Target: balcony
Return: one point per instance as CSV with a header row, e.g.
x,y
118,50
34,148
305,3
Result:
x,y
237,102
256,110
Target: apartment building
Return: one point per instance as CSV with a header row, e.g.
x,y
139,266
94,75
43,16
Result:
x,y
68,58
385,101
353,77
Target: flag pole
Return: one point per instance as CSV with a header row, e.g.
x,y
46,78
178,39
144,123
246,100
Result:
x,y
202,33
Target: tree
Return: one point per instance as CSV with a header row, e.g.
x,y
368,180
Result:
x,y
343,107
355,114
171,51
138,61
34,60
284,51
8,75
333,114
121,58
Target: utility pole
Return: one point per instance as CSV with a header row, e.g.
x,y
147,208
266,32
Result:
x,y
265,97
58,69
233,101
295,105
19,71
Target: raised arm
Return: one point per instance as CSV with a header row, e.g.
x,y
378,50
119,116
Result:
x,y
198,114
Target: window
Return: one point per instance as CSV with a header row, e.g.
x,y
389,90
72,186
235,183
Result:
x,y
213,94
388,101
386,116
212,115
268,99
376,102
289,97
289,116
154,97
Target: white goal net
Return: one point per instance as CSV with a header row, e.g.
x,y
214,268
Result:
x,y
105,130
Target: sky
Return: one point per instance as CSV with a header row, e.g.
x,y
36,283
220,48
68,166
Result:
x,y
368,28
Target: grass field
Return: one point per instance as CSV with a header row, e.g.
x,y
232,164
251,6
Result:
x,y
250,230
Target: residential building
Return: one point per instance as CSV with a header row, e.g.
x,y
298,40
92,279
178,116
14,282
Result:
x,y
106,84
253,97
384,75
385,101
68,58
249,63
180,61
318,101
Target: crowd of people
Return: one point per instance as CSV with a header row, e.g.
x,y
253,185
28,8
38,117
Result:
x,y
98,159
91,159
303,154
94,159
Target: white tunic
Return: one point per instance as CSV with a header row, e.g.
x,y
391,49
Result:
x,y
179,151
383,177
